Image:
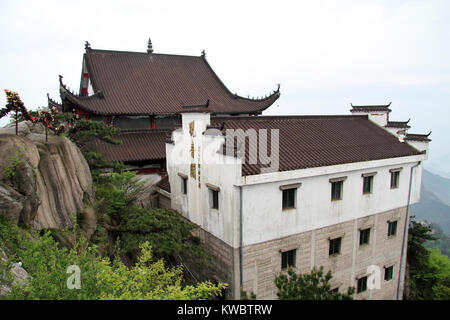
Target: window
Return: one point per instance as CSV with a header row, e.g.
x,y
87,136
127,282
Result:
x,y
388,273
289,198
337,185
392,228
362,285
213,196
289,193
364,236
287,259
336,190
367,183
335,246
184,185
184,179
395,178
215,199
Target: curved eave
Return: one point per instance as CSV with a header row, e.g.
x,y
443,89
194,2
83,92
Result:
x,y
78,100
53,104
398,124
418,137
272,97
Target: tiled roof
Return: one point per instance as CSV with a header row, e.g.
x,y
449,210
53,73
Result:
x,y
164,184
398,124
418,137
316,141
53,104
135,83
139,145
371,108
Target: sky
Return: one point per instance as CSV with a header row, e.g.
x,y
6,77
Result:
x,y
325,54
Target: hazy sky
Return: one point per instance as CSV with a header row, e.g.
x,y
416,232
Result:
x,y
325,54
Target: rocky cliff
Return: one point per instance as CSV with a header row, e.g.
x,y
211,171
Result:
x,y
42,184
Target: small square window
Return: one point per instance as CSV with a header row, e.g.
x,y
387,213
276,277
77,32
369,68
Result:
x,y
184,185
388,273
364,236
289,198
288,259
335,246
367,184
395,179
392,228
362,285
336,190
215,199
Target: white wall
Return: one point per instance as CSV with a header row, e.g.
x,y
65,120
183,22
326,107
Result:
x,y
196,205
380,118
264,219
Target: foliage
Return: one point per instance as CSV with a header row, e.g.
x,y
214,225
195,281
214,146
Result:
x,y
429,270
84,131
149,280
163,229
47,265
422,275
442,241
312,286
14,162
245,295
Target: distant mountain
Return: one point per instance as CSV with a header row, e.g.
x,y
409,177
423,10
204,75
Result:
x,y
434,205
437,185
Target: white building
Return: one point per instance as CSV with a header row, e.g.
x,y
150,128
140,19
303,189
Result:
x,y
328,191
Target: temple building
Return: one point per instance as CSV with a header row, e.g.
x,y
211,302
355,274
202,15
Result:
x,y
144,94
267,193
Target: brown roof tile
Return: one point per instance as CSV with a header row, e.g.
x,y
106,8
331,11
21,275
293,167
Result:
x,y
418,137
315,141
139,145
135,83
164,184
371,108
398,124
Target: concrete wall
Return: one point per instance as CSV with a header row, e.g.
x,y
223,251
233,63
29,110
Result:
x,y
267,228
264,219
195,156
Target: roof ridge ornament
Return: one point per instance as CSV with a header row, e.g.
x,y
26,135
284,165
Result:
x,y
87,45
203,54
149,46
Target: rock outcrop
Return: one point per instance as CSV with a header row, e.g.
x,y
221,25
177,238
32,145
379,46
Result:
x,y
42,184
19,276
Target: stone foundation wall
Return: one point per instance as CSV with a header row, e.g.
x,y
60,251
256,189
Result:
x,y
261,262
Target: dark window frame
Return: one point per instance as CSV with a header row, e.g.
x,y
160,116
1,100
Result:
x,y
364,236
334,246
388,273
289,198
361,285
184,185
337,188
395,179
392,228
288,259
367,184
215,199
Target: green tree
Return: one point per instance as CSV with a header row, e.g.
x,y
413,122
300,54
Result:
x,y
309,286
151,280
422,274
47,263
